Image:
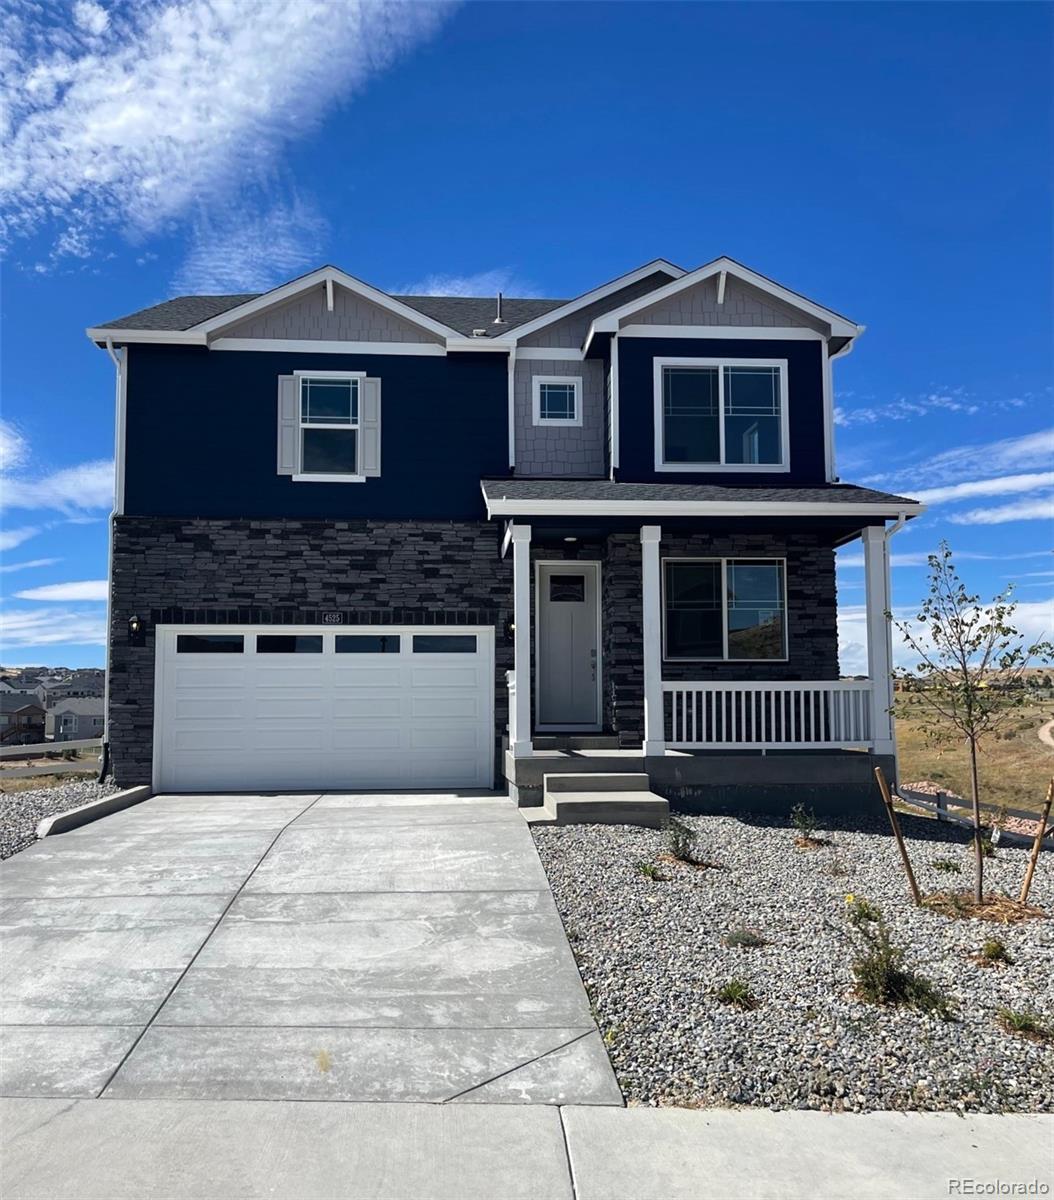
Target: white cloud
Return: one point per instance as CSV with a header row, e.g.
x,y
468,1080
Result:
x,y
13,447
483,283
86,486
163,109
919,558
30,565
10,538
903,408
1006,485
84,589
1007,456
52,627
1033,619
1037,508
243,253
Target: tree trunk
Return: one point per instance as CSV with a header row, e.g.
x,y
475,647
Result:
x,y
978,851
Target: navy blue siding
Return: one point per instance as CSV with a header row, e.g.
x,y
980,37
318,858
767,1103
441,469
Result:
x,y
637,412
201,435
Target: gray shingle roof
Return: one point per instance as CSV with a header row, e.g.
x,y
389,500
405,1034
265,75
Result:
x,y
11,702
609,490
463,313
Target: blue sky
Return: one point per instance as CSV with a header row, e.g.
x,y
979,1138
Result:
x,y
891,161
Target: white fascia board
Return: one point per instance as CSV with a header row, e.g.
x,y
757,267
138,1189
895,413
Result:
x,y
840,326
306,283
757,333
605,289
460,343
502,507
311,346
122,337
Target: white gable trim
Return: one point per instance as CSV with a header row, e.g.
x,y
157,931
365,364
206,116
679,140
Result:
x,y
500,506
324,276
599,293
840,326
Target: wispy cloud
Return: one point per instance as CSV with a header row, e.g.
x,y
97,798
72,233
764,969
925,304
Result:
x,y
33,563
84,589
13,447
982,460
253,253
906,408
53,627
1032,619
483,283
132,116
1004,486
69,490
919,558
10,538
1036,508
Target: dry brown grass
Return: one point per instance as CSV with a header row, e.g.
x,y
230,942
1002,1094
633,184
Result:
x,y
1003,909
31,783
1015,766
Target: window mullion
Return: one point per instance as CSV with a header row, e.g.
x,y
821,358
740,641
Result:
x,y
721,415
724,608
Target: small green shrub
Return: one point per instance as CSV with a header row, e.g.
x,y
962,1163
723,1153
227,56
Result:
x,y
745,939
987,846
859,910
681,839
737,993
993,950
946,865
804,821
837,868
1024,1022
881,976
650,871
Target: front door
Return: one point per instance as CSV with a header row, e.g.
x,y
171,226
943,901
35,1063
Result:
x,y
568,645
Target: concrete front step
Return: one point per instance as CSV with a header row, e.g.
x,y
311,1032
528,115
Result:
x,y
599,808
584,741
599,781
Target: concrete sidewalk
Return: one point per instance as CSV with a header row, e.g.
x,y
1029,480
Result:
x,y
241,1150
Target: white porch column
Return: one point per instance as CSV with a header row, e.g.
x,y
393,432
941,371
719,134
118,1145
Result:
x,y
521,600
879,641
651,598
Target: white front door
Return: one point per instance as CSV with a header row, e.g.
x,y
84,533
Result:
x,y
267,708
568,640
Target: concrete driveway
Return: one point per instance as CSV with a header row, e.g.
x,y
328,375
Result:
x,y
302,947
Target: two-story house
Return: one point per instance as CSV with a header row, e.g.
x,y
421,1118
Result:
x,y
373,541
74,719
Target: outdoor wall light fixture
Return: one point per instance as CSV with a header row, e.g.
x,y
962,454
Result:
x,y
510,629
570,539
136,630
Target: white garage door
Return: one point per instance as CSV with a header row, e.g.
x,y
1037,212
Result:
x,y
266,708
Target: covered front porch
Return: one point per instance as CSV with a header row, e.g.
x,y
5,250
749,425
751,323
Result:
x,y
715,646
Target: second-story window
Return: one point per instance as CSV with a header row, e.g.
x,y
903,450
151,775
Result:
x,y
714,414
329,425
557,400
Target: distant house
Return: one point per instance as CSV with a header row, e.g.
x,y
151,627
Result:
x,y
22,720
79,717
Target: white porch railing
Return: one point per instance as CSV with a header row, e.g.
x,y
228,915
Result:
x,y
767,716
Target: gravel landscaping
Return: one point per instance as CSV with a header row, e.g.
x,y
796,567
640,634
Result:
x,y
653,957
21,811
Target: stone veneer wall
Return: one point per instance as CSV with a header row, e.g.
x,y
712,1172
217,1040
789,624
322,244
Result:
x,y
812,626
172,571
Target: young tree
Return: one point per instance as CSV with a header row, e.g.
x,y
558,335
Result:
x,y
963,646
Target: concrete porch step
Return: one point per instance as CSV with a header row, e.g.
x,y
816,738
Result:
x,y
599,808
597,781
574,741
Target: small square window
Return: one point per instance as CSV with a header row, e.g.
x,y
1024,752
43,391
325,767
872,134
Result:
x,y
557,400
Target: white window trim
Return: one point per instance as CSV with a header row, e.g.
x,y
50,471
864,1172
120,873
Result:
x,y
721,467
536,398
310,476
724,608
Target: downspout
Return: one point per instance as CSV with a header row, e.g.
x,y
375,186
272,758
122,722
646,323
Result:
x,y
118,440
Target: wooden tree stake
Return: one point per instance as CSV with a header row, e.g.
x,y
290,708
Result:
x,y
1041,829
883,787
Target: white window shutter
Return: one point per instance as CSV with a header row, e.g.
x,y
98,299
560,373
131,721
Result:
x,y
288,426
370,428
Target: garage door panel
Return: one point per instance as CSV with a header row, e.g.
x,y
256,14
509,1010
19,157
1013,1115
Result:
x,y
271,721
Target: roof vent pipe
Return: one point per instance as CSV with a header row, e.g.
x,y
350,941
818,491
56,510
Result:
x,y
499,319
